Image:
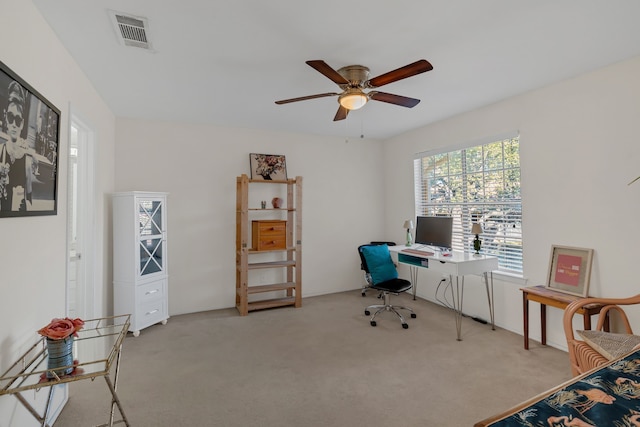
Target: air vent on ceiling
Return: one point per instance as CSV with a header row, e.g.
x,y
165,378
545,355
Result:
x,y
131,30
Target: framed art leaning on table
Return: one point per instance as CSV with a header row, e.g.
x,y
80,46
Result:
x,y
570,270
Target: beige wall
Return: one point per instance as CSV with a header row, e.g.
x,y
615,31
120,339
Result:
x,y
579,149
32,249
198,165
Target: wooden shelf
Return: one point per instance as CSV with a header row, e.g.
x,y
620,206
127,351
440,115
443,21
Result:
x,y
266,251
272,209
262,181
271,264
289,258
271,303
270,288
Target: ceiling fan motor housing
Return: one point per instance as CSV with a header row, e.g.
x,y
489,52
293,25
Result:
x,y
356,74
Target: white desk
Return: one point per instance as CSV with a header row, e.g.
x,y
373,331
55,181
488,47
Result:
x,y
455,265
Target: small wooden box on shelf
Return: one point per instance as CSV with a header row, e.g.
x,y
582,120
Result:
x,y
277,238
269,235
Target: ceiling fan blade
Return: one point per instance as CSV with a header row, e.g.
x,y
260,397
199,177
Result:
x,y
341,114
304,98
390,98
410,70
324,68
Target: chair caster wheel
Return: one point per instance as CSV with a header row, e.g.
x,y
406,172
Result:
x,y
406,326
366,312
413,315
373,323
364,294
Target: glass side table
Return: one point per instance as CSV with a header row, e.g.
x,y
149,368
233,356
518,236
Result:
x,y
97,350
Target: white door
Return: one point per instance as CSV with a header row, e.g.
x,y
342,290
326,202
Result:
x,y
80,222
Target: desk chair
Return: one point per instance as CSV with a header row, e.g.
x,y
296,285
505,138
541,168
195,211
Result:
x,y
377,262
367,276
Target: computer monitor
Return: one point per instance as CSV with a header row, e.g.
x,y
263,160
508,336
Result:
x,y
434,231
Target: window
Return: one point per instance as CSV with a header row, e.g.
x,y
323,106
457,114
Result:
x,y
476,184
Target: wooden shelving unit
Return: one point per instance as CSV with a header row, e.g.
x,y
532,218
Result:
x,y
291,255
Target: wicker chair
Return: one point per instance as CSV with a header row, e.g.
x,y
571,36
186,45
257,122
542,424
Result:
x,y
583,358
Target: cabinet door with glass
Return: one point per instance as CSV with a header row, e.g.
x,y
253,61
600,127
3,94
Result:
x,y
139,236
151,236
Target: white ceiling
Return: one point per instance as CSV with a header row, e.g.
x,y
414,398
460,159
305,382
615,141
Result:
x,y
226,62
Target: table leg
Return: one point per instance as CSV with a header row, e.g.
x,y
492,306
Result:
x,y
605,324
413,271
115,401
586,320
41,419
490,298
543,324
457,304
525,311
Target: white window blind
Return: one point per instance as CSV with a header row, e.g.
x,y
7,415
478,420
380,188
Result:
x,y
479,183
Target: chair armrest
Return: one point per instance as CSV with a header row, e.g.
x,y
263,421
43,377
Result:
x,y
609,305
576,348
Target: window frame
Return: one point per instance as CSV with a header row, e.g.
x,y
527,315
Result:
x,y
478,187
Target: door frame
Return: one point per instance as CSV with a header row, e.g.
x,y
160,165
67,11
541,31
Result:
x,y
88,307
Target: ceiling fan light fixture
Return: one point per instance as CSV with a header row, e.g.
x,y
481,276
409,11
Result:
x,y
353,99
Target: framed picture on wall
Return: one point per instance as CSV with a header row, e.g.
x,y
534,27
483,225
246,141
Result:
x,y
268,167
570,270
29,149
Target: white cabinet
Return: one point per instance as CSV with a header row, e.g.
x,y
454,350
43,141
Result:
x,y
140,258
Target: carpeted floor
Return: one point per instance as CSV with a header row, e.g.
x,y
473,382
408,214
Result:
x,y
319,365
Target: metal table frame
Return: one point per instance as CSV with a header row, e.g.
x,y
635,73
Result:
x,y
103,336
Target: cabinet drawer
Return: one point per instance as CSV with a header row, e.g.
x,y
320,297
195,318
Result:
x,y
150,292
443,267
150,313
268,235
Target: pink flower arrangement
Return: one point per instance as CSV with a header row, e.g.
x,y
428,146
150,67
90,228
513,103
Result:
x,y
60,329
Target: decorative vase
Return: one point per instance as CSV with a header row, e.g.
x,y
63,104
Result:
x,y
276,202
477,244
60,356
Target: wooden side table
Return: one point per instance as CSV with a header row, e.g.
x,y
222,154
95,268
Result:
x,y
546,296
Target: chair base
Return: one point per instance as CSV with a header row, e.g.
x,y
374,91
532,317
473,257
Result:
x,y
387,306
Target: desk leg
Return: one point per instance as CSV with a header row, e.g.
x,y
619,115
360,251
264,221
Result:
x,y
413,271
458,291
525,311
490,298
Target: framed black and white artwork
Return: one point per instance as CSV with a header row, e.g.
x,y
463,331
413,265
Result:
x,y
29,149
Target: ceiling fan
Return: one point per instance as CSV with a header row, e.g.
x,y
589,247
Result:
x,y
353,79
